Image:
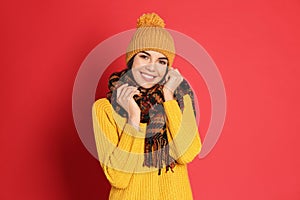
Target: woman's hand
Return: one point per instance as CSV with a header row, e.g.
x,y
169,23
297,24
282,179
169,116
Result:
x,y
173,80
125,99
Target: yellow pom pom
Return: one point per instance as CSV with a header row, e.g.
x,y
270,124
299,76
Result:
x,y
150,19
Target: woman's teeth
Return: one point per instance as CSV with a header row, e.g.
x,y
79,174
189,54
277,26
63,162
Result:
x,y
147,76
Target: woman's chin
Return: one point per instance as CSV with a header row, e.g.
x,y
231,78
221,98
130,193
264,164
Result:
x,y
147,85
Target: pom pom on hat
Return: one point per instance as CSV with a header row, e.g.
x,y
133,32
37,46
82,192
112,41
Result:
x,y
150,19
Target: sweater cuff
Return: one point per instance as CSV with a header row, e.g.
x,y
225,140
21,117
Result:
x,y
131,139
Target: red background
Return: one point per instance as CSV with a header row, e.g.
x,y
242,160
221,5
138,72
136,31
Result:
x,y
254,44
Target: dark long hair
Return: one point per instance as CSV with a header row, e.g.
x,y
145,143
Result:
x,y
130,62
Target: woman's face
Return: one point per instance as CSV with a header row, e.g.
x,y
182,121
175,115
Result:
x,y
149,67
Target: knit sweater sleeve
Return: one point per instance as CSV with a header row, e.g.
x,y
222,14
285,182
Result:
x,y
119,144
182,129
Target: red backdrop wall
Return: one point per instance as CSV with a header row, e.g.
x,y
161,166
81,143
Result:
x,y
254,44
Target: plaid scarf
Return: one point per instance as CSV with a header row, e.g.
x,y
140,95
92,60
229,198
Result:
x,y
150,101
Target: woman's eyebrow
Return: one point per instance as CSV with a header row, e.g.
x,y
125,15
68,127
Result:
x,y
165,58
150,55
146,53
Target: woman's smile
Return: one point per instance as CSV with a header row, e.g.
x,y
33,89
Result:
x,y
148,77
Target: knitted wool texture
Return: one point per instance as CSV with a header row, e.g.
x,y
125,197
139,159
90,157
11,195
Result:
x,y
151,35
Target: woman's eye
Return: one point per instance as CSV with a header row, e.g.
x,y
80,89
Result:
x,y
162,62
144,57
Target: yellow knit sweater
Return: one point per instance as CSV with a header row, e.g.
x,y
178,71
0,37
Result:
x,y
120,149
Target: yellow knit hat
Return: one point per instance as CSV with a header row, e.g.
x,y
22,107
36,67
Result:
x,y
151,35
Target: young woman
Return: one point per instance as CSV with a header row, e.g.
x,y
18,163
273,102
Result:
x,y
145,129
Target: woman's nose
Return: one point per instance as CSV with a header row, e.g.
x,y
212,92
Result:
x,y
151,61
151,66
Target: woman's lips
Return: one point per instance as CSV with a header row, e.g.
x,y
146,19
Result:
x,y
147,77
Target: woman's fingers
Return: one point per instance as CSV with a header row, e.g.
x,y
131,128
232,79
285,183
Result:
x,y
177,71
173,72
125,93
134,92
173,79
168,75
120,90
131,93
124,90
